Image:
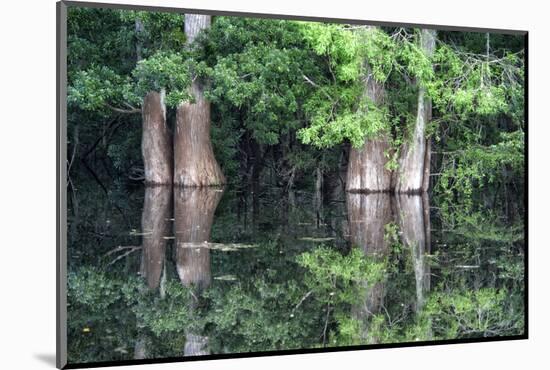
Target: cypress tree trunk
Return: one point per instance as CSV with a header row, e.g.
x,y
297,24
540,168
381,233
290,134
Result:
x,y
156,145
194,161
413,158
366,165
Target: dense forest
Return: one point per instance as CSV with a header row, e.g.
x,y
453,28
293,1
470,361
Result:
x,y
347,184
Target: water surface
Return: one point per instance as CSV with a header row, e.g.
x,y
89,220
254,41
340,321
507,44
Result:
x,y
167,272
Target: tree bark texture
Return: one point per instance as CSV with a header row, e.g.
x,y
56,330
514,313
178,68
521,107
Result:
x,y
195,164
155,224
156,143
193,216
410,173
367,165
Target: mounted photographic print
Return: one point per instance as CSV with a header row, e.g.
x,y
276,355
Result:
x,y
236,185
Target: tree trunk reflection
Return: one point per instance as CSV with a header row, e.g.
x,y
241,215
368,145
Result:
x,y
155,225
194,210
413,219
368,215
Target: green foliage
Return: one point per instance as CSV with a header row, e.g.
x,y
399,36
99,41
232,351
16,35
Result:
x,y
95,88
337,277
159,31
365,122
339,109
171,313
170,72
470,84
476,167
93,289
471,314
261,82
341,48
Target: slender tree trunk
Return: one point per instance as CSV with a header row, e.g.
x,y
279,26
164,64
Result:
x,y
194,161
139,47
318,196
156,141
411,171
257,167
367,165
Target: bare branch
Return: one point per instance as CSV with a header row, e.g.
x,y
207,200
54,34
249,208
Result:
x,y
131,110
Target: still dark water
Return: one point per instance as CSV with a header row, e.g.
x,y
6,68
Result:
x,y
161,272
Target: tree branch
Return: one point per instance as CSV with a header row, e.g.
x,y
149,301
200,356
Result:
x,y
131,109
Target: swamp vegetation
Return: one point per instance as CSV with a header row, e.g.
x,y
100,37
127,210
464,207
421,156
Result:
x,y
241,185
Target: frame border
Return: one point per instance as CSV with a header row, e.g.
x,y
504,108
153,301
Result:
x,y
61,188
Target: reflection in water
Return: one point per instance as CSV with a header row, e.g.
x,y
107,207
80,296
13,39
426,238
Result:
x,y
155,224
230,289
414,222
193,216
368,216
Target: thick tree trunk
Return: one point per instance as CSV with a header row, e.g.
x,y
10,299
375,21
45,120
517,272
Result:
x,y
414,224
194,161
156,143
367,165
155,224
411,172
193,216
368,216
